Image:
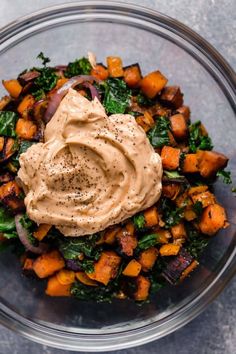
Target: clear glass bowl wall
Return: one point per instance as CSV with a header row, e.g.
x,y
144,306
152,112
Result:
x,y
155,42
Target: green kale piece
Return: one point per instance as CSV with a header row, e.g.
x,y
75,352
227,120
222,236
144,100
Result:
x,y
78,67
158,135
139,221
7,123
198,141
117,96
225,176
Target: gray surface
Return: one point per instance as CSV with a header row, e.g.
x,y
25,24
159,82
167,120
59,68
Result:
x,y
214,331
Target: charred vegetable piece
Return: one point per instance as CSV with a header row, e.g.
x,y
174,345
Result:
x,y
26,105
153,83
6,177
172,96
4,102
171,190
185,111
176,266
188,270
209,162
10,196
127,242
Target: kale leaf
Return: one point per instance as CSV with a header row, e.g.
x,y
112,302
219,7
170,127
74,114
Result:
x,y
98,293
7,123
46,81
170,214
196,242
143,100
72,248
225,176
24,145
78,67
147,241
117,96
7,222
198,141
44,59
139,221
198,208
158,135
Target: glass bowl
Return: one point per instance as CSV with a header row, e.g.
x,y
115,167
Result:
x,y
155,41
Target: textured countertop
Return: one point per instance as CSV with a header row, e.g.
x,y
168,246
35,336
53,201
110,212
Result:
x,y
214,331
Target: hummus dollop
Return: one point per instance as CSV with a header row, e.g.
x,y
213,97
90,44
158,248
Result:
x,y
93,171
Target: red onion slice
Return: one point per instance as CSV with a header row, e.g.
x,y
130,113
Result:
x,y
23,236
94,92
30,75
62,91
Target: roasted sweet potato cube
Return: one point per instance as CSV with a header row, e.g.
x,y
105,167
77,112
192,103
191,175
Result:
x,y
172,96
48,263
179,126
115,66
132,75
151,217
132,269
143,286
26,129
55,288
169,249
148,258
170,157
25,105
206,198
178,231
106,267
100,72
213,219
13,87
185,111
153,83
171,190
190,164
209,162
4,102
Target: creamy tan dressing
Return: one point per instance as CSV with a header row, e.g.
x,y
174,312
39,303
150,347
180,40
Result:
x,y
92,171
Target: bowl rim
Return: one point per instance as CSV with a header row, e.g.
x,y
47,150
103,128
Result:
x,y
149,332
